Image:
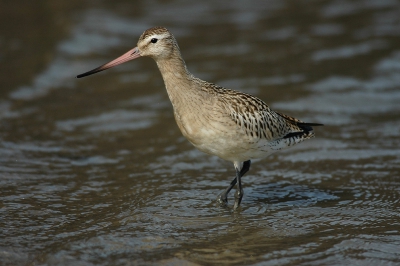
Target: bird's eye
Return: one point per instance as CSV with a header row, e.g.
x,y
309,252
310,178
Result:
x,y
154,40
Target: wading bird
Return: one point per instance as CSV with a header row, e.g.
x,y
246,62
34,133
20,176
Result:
x,y
232,125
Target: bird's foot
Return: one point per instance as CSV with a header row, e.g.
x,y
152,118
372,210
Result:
x,y
222,199
238,199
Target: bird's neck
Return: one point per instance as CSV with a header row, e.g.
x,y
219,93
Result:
x,y
178,80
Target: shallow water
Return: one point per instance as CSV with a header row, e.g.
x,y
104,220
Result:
x,y
95,170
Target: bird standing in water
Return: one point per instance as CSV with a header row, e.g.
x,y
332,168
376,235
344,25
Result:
x,y
232,125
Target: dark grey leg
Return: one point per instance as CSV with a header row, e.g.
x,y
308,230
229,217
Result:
x,y
223,197
245,168
239,191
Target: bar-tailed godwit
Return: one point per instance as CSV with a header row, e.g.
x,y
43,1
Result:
x,y
232,125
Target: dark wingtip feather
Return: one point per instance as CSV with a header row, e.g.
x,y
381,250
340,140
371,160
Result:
x,y
312,124
306,128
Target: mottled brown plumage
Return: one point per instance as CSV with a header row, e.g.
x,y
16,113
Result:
x,y
232,125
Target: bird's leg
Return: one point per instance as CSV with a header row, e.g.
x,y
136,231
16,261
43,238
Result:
x,y
245,168
223,197
239,191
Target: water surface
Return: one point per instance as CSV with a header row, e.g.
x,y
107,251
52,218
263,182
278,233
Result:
x,y
95,171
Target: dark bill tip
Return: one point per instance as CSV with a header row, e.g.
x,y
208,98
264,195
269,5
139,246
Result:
x,y
130,55
89,73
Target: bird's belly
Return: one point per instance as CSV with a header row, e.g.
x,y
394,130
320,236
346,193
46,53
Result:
x,y
226,141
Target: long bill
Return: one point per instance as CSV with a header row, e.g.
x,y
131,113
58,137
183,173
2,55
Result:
x,y
130,55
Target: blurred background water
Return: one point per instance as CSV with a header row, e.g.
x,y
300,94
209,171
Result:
x,y
95,171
